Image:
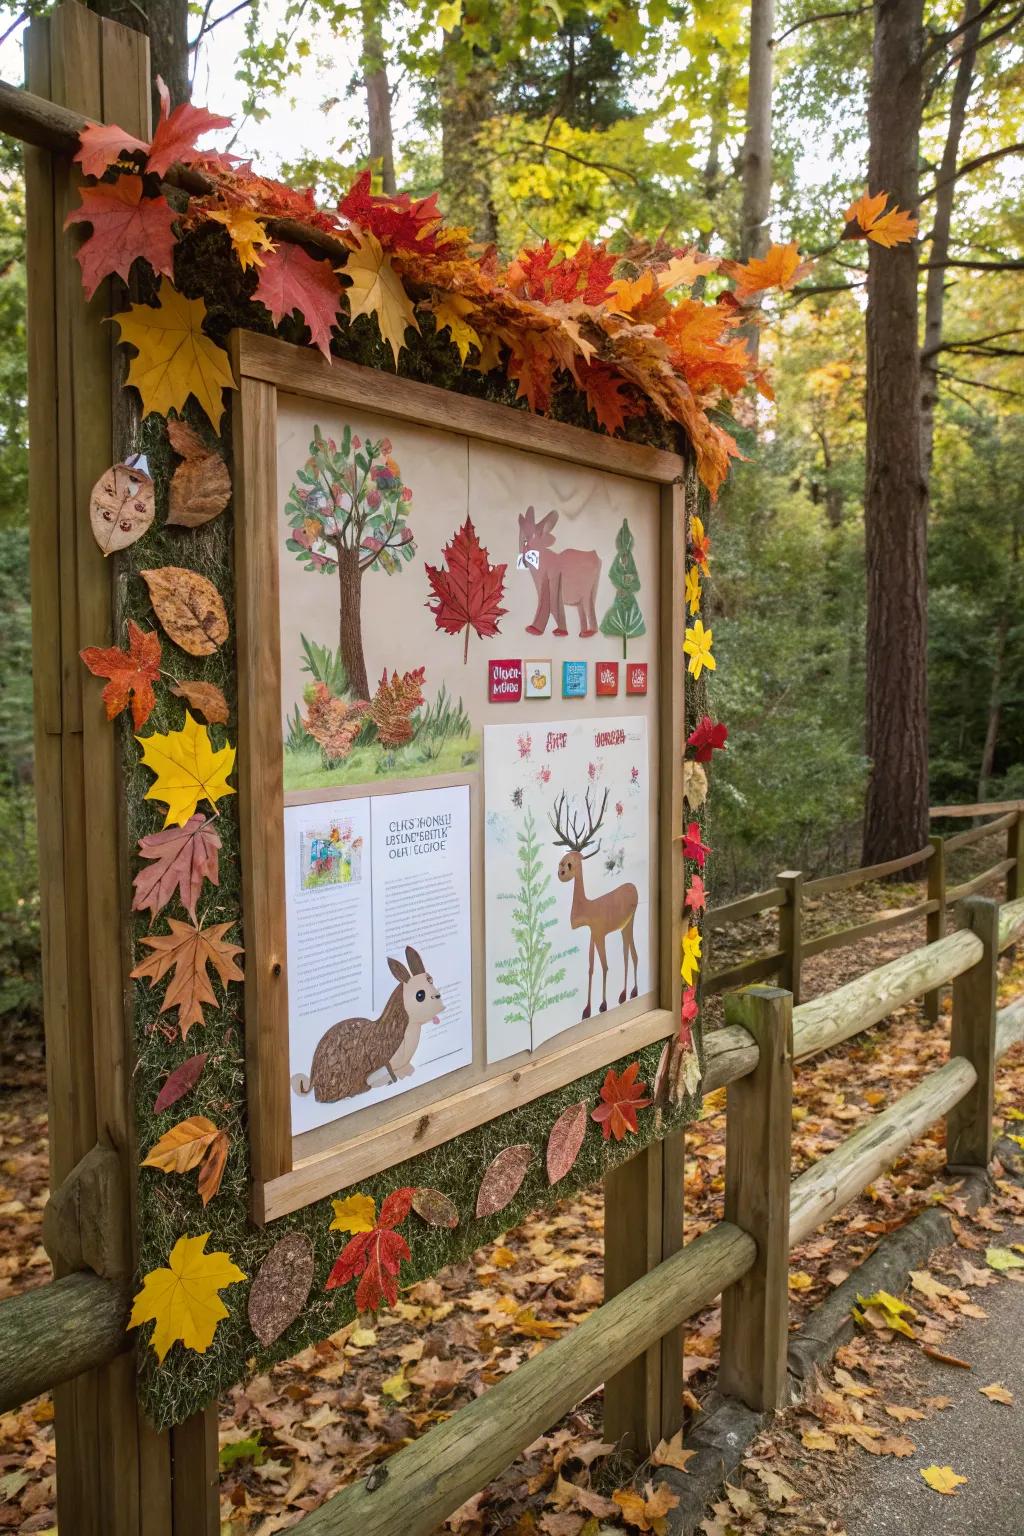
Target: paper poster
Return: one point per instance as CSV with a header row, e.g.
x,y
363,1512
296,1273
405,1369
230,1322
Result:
x,y
379,956
567,875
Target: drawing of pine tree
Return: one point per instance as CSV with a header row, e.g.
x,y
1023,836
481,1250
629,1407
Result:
x,y
624,617
532,976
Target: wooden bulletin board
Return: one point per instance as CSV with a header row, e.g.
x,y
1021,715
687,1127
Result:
x,y
439,774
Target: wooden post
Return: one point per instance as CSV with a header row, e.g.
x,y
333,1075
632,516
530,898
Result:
x,y
755,1310
935,922
969,1123
1015,851
791,930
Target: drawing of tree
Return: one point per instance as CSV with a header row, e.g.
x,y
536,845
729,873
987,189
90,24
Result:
x,y
347,510
624,618
533,974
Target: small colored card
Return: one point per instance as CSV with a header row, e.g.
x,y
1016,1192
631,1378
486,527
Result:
x,y
574,679
538,679
636,677
505,682
606,678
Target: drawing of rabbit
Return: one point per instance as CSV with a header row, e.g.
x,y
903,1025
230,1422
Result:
x,y
353,1051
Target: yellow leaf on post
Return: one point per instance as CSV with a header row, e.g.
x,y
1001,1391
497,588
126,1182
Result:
x,y
175,358
356,1213
942,1479
183,1300
376,289
187,769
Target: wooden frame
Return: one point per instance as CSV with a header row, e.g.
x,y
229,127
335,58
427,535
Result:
x,y
264,367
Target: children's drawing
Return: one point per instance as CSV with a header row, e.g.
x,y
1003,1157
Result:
x,y
624,618
356,1055
332,855
467,589
611,912
531,978
347,509
563,578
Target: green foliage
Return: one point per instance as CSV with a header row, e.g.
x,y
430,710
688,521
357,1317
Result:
x,y
20,981
441,722
533,975
624,618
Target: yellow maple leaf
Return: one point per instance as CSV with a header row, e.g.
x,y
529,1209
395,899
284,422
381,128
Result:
x,y
942,1479
248,235
889,1311
187,769
684,270
356,1213
780,267
175,356
865,218
451,312
183,1299
376,289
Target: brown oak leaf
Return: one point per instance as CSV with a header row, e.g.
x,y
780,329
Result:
x,y
201,485
187,951
182,858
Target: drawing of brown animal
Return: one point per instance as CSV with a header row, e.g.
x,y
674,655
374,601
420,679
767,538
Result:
x,y
613,912
566,578
350,1053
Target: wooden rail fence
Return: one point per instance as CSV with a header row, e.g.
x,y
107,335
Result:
x,y
75,1323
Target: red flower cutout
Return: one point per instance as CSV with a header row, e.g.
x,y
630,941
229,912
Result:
x,y
707,738
696,896
376,1255
622,1096
693,848
687,1013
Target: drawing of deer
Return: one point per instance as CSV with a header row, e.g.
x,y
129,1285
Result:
x,y
353,1051
564,579
613,912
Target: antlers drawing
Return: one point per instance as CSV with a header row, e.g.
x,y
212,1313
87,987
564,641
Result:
x,y
572,835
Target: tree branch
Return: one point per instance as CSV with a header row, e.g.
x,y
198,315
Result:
x,y
974,266
945,38
973,165
807,21
207,26
996,389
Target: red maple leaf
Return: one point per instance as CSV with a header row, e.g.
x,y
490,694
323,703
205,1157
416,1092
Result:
x,y
532,370
603,388
125,225
289,279
696,896
177,131
693,848
468,592
376,1255
707,737
132,673
622,1096
545,272
100,144
399,223
687,1013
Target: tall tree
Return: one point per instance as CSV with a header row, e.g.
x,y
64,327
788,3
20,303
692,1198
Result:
x,y
756,156
378,97
466,94
895,499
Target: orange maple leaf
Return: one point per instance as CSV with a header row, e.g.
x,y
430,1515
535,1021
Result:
x,y
865,219
132,673
187,950
779,267
622,1096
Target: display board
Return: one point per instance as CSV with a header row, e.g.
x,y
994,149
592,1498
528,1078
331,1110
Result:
x,y
461,761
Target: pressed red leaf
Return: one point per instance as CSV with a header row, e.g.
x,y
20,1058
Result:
x,y
177,1083
502,1179
707,737
693,848
468,589
182,858
289,279
376,1256
125,226
622,1096
177,131
132,673
565,1141
100,144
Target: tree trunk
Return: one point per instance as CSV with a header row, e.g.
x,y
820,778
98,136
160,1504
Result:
x,y
466,105
378,98
935,292
895,524
756,157
166,24
988,755
350,582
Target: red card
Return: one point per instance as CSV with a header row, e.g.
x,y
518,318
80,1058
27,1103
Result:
x,y
636,677
607,678
504,682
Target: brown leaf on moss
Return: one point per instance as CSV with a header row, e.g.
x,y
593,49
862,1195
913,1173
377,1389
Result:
x,y
502,1179
203,699
201,485
282,1284
565,1141
435,1208
189,607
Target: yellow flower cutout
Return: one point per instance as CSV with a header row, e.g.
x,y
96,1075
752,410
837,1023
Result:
x,y
697,646
183,1299
357,1213
691,955
693,589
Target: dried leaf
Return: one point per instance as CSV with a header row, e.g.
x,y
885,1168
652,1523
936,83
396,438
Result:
x,y
622,1096
248,236
187,951
282,1284
502,1179
121,507
125,226
376,1256
177,1083
865,218
175,358
212,1170
646,1511
183,1299
205,698
780,267
942,1479
132,673
565,1141
177,131
184,1146
997,1393
670,1453
188,769
201,485
182,858
189,607
1003,1259
435,1208
100,144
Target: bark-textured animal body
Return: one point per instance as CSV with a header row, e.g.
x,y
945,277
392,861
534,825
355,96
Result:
x,y
349,1054
566,578
612,912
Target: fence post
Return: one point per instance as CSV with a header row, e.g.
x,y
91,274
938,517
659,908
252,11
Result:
x,y
1015,851
759,1114
791,930
969,1123
935,922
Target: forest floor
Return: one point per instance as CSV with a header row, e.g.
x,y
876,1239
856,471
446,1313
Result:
x,y
290,1437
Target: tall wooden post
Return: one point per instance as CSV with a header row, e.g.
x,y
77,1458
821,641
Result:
x,y
791,930
759,1114
1015,851
935,922
969,1123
